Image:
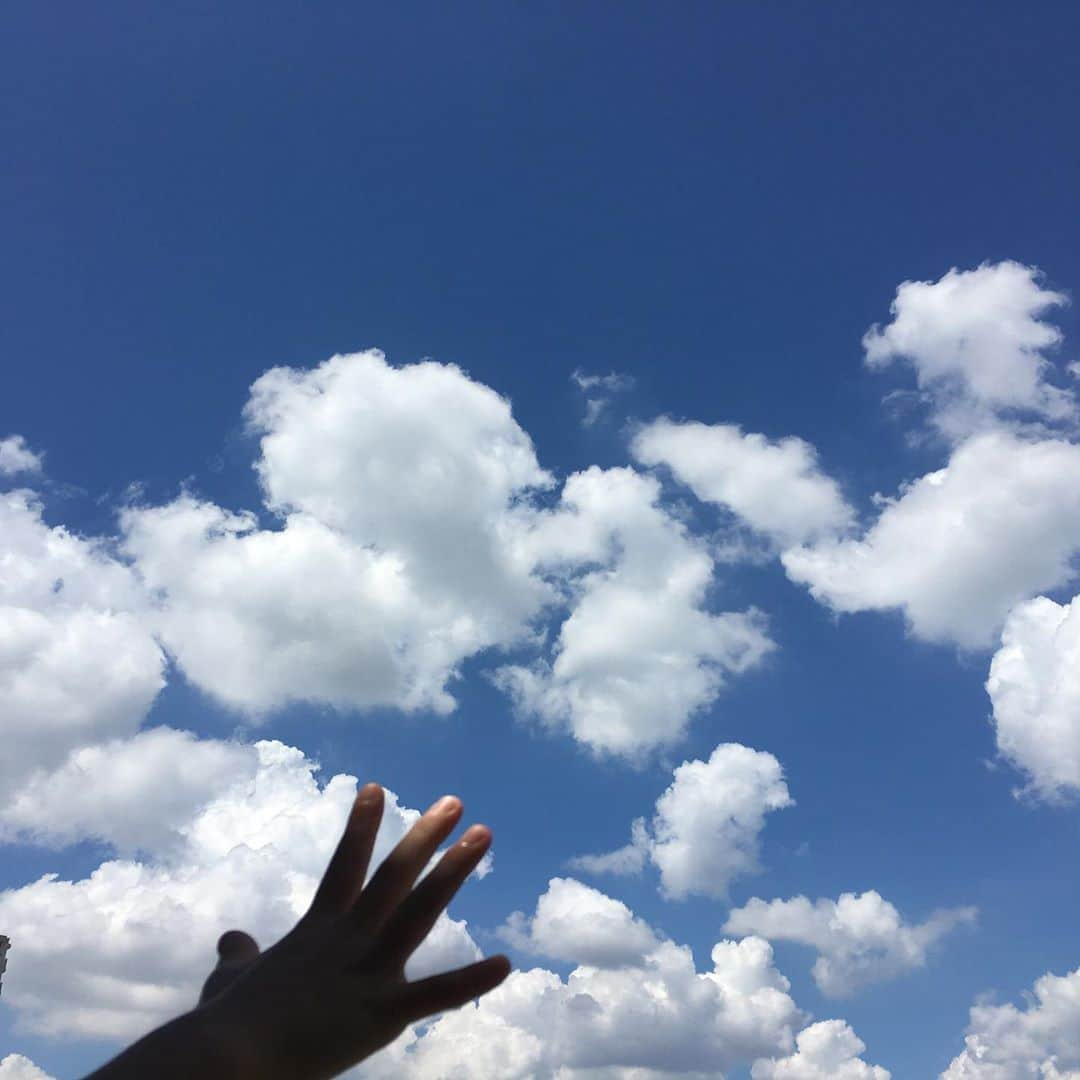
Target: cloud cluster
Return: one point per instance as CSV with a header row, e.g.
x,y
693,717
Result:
x,y
16,457
959,547
115,953
860,939
18,1067
1034,685
78,662
827,1050
776,488
411,537
639,653
1041,1040
706,826
977,345
640,1011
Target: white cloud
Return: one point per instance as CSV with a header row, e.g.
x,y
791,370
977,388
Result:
x,y
958,548
827,1050
16,457
638,654
658,1017
77,662
134,794
1041,1040
1034,685
17,1067
977,344
581,925
410,541
398,489
614,382
706,827
117,952
777,488
598,390
860,938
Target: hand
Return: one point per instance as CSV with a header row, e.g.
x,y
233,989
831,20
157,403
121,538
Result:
x,y
333,990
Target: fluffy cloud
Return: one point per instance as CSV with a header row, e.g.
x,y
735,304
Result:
x,y
1034,685
117,952
657,1017
638,654
134,794
977,345
16,457
777,488
397,490
860,939
410,539
582,926
706,825
1041,1040
17,1067
827,1050
958,548
77,661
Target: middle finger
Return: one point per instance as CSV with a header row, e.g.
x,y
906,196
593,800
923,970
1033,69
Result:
x,y
394,879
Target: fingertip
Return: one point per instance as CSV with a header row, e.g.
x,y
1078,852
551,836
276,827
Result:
x,y
235,944
369,794
475,836
500,965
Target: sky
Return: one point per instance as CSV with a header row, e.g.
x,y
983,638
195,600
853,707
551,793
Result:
x,y
657,425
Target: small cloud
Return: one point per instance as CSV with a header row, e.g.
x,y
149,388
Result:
x,y
612,383
598,389
16,457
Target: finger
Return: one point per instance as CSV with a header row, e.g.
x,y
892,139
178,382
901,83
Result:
x,y
393,880
236,952
344,877
413,920
415,1000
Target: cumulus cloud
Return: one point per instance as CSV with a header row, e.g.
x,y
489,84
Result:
x,y
1034,685
394,562
16,457
582,926
977,344
135,794
958,548
1041,1040
655,1017
706,826
117,952
860,938
827,1050
639,653
411,537
78,663
17,1067
776,488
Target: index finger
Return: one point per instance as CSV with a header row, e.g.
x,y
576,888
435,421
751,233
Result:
x,y
344,877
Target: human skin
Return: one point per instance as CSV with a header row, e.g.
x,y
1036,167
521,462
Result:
x,y
333,990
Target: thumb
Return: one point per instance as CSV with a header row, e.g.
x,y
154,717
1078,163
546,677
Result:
x,y
237,951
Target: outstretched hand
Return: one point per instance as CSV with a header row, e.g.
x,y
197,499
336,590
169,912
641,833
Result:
x,y
333,990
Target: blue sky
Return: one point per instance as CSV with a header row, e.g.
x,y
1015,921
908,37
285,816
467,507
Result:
x,y
717,201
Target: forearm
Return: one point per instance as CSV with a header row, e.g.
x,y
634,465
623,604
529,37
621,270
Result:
x,y
194,1044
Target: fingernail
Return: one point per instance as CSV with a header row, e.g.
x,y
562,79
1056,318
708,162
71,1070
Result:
x,y
369,793
448,804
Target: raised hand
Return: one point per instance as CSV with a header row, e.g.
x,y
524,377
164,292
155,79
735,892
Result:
x,y
333,990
